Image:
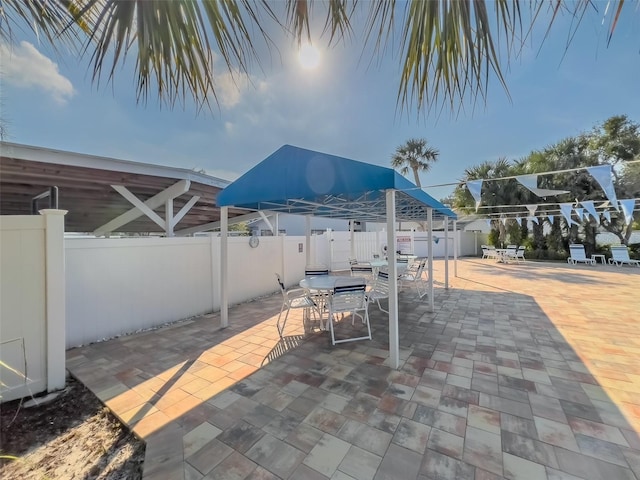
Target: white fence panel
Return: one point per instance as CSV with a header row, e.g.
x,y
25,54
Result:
x,y
23,349
116,286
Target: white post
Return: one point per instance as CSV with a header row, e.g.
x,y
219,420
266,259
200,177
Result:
x,y
446,252
224,266
55,298
168,217
430,254
352,236
394,341
456,244
308,239
276,225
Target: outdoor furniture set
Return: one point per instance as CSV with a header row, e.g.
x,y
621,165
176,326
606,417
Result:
x,y
619,256
323,296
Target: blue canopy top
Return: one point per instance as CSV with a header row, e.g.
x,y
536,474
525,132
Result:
x,y
304,182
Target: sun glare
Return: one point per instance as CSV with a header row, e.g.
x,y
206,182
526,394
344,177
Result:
x,y
309,56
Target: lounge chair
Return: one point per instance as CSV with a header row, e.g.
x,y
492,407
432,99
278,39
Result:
x,y
578,255
620,256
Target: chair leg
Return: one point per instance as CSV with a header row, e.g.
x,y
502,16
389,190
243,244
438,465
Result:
x,y
281,330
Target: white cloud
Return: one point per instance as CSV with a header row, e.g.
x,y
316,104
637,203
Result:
x,y
25,67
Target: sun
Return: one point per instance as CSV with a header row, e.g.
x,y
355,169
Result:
x,y
308,56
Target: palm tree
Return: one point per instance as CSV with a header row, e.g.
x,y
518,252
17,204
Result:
x,y
415,155
449,50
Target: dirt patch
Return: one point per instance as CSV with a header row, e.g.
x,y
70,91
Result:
x,y
72,437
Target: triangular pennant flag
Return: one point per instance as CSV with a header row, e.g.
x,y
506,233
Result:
x,y
532,209
590,207
534,220
488,222
602,174
607,214
579,212
504,221
566,208
627,208
519,220
550,217
475,189
531,182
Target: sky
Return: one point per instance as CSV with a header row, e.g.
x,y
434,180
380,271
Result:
x,y
346,106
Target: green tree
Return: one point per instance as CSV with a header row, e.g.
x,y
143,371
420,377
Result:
x,y
497,196
449,50
416,156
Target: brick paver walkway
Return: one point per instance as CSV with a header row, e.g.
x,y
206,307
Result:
x,y
522,372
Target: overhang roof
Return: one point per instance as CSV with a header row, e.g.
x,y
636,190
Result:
x,y
85,188
305,182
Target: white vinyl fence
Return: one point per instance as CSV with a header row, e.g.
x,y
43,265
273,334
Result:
x,y
119,286
32,357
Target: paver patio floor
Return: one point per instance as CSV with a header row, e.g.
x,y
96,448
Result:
x,y
522,372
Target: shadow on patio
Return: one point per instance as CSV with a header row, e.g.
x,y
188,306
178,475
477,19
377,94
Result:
x,y
530,377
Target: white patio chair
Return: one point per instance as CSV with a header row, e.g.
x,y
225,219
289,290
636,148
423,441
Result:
x,y
364,270
620,256
578,255
380,289
520,255
489,251
414,275
292,299
349,296
510,253
314,270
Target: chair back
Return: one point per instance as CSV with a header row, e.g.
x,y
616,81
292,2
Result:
x,y
361,269
620,253
315,270
577,251
348,295
381,285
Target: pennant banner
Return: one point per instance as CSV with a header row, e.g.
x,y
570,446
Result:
x,y
566,209
519,220
591,208
534,219
607,214
532,209
627,208
531,182
579,212
550,217
489,222
602,174
475,189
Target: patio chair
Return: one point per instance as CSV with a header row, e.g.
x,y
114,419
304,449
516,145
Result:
x,y
620,256
511,253
364,270
292,299
380,289
578,255
489,251
348,296
413,275
520,255
314,270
